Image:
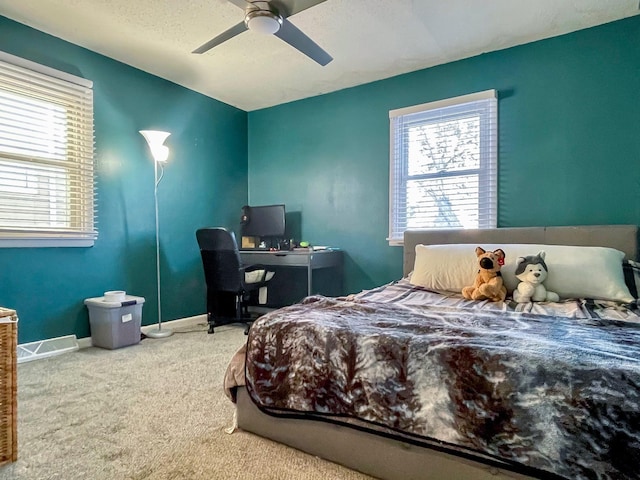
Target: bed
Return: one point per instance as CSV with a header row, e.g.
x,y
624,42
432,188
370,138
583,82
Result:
x,y
411,381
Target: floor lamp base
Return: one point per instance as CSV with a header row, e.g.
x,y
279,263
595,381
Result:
x,y
159,333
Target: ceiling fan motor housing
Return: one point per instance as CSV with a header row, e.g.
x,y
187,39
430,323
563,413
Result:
x,y
261,17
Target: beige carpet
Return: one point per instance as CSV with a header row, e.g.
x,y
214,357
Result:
x,y
150,411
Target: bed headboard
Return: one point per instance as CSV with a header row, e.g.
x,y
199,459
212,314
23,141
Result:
x,y
620,237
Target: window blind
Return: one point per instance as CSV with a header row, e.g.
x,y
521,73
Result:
x,y
46,156
443,165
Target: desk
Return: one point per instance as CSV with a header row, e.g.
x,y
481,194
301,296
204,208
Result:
x,y
300,259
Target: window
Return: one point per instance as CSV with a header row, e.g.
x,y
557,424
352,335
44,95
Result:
x,y
46,156
443,165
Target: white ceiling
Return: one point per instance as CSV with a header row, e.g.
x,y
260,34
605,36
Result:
x,y
368,39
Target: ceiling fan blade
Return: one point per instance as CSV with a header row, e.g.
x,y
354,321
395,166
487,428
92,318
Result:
x,y
291,7
223,37
294,37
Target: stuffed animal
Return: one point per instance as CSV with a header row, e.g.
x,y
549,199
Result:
x,y
532,271
488,284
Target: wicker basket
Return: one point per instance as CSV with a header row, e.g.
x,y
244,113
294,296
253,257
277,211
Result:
x,y
8,386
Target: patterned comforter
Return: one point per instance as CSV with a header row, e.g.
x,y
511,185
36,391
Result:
x,y
549,395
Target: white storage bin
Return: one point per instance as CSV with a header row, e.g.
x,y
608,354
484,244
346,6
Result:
x,y
115,324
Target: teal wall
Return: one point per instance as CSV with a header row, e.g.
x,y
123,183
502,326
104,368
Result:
x,y
205,183
569,154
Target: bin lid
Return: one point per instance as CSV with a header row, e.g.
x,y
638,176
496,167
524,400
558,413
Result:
x,y
102,303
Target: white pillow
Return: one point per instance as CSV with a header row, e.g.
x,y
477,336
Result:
x,y
444,267
574,272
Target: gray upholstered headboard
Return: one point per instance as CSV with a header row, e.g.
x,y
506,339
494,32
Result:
x,y
620,237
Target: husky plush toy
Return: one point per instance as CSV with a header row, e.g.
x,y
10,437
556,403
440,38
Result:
x,y
532,272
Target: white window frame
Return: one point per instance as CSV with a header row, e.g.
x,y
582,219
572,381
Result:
x,y
440,111
48,191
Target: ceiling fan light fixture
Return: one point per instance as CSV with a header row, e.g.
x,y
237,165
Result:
x,y
263,22
265,17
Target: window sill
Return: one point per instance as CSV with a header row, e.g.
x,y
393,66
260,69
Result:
x,y
45,242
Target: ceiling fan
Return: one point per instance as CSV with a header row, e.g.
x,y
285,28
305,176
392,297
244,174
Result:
x,y
270,17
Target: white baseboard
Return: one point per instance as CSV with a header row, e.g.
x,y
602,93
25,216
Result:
x,y
177,323
84,342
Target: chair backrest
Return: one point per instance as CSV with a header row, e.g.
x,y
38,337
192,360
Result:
x,y
220,259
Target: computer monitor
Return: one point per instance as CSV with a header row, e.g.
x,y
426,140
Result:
x,y
263,221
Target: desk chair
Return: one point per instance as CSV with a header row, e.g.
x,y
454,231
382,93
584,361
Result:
x,y
229,294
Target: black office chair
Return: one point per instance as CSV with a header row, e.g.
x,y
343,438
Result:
x,y
228,294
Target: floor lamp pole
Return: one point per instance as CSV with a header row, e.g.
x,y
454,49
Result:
x,y
158,332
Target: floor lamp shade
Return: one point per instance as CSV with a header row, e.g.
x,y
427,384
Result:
x,y
160,154
155,139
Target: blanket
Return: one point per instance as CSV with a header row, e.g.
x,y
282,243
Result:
x,y
557,395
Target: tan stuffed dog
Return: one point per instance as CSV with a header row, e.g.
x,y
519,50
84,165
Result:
x,y
488,284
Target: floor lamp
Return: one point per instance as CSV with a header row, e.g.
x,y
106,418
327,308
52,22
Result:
x,y
160,153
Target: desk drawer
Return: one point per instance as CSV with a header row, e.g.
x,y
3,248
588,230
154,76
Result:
x,y
320,259
285,259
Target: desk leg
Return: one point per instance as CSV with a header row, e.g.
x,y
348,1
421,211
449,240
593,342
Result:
x,y
309,278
